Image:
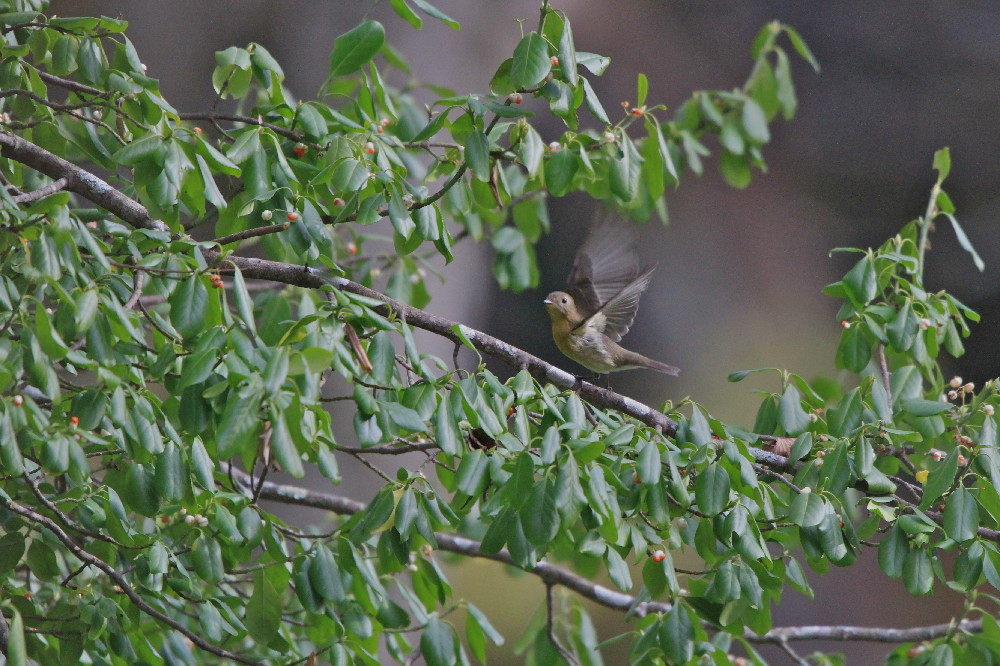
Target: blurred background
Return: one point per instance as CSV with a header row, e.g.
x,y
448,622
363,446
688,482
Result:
x,y
739,272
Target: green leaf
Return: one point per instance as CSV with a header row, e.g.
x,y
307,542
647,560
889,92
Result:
x,y
531,61
861,281
940,479
356,47
560,169
755,122
918,574
283,446
567,54
618,570
648,463
642,88
477,155
263,609
433,11
676,635
149,150
438,642
596,64
172,478
244,304
446,431
17,651
539,515
966,244
404,12
188,305
793,418
919,407
807,510
902,330
484,624
593,103
206,555
625,171
404,417
239,422
471,476
961,515
942,163
140,490
892,552
846,416
711,489
734,169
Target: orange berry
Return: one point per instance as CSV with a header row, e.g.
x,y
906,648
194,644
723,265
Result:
x,y
637,111
18,400
659,556
845,324
555,61
352,248
293,216
74,420
370,148
197,130
299,150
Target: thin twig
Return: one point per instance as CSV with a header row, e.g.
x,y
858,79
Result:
x,y
246,120
791,653
41,192
252,233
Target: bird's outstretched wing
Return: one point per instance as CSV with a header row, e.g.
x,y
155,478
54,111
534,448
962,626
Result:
x,y
604,266
616,316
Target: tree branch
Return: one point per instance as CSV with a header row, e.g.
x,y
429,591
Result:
x,y
864,634
132,212
41,192
79,181
252,233
515,358
248,120
551,574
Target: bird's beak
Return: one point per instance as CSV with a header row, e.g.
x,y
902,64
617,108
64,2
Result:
x,y
547,302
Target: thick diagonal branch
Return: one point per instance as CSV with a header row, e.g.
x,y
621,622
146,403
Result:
x,y
132,212
78,180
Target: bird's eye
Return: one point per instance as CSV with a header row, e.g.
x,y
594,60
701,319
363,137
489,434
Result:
x,y
565,300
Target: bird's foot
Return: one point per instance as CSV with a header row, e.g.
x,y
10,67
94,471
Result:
x,y
580,379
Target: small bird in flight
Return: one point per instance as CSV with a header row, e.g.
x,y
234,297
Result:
x,y
600,303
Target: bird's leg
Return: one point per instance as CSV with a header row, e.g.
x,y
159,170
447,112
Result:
x,y
582,378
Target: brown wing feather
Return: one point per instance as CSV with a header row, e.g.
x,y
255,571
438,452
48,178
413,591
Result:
x,y
604,267
616,316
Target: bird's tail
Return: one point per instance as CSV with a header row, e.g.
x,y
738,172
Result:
x,y
665,368
630,359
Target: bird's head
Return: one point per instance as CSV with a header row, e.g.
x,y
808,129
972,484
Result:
x,y
561,306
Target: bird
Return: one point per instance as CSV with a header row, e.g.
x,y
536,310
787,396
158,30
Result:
x,y
601,301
